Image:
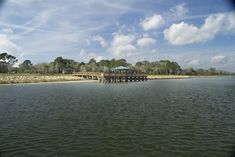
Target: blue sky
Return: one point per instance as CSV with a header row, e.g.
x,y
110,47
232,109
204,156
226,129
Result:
x,y
199,34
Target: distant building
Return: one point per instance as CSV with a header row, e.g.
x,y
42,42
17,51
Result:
x,y
121,69
68,71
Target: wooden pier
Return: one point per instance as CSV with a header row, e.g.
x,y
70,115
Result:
x,y
109,77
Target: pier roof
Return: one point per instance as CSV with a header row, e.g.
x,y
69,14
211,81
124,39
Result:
x,y
121,68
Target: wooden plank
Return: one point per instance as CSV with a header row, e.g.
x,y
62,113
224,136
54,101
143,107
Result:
x,y
112,77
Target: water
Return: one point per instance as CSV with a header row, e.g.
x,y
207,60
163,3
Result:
x,y
180,118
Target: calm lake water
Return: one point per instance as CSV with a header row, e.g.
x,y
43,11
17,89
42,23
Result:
x,y
162,118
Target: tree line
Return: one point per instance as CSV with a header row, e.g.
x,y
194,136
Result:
x,y
162,67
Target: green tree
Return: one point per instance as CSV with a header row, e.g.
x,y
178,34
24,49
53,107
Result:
x,y
42,68
59,64
6,62
26,67
92,61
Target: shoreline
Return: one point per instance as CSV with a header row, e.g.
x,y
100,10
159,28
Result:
x,y
14,79
49,82
8,79
165,77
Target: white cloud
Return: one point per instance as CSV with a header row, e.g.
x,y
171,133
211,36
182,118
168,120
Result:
x,y
21,3
7,31
146,35
145,42
231,22
99,58
40,19
101,40
218,59
122,45
53,31
193,62
86,56
183,33
8,46
88,43
152,22
82,52
179,10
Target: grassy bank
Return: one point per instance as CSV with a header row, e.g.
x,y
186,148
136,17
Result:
x,y
155,77
35,78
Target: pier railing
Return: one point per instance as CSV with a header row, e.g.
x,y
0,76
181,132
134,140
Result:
x,y
87,74
112,77
123,74
107,74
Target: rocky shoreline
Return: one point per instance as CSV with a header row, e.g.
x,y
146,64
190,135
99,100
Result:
x,y
40,78
35,78
158,77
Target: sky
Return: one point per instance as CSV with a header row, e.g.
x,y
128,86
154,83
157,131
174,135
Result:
x,y
198,34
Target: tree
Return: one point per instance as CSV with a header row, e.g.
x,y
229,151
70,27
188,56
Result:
x,y
212,71
92,61
26,66
104,63
59,64
116,63
42,68
158,67
189,71
138,64
4,57
6,62
72,64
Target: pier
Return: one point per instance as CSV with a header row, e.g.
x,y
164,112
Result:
x,y
118,74
108,77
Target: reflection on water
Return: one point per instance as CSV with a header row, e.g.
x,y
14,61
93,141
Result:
x,y
193,117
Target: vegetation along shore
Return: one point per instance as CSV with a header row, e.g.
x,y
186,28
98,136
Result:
x,y
61,69
158,77
35,78
41,78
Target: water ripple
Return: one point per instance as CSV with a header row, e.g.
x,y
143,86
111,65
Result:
x,y
157,118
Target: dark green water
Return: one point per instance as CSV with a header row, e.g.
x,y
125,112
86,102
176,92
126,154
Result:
x,y
163,118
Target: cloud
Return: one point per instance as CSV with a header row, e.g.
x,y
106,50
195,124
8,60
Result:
x,y
183,33
7,31
101,40
230,22
193,62
152,22
85,56
145,41
22,2
218,59
179,10
99,58
46,30
8,46
122,45
87,41
84,53
39,20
